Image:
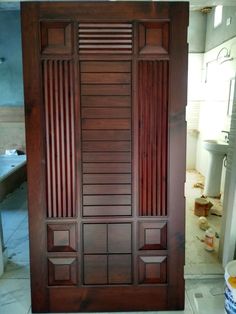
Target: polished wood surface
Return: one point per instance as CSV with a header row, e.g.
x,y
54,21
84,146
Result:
x,y
105,90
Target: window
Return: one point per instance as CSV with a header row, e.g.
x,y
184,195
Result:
x,y
218,15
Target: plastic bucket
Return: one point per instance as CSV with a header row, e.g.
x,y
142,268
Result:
x,y
230,288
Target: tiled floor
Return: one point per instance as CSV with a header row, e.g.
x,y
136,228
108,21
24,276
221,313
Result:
x,y
200,262
201,297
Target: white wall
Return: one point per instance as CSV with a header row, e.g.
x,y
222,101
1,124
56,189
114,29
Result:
x,y
195,98
213,116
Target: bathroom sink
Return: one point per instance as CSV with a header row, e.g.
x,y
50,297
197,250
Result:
x,y
215,146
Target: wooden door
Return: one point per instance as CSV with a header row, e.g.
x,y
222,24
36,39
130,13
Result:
x,y
105,94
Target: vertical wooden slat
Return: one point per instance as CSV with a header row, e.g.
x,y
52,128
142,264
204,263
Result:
x,y
57,141
72,140
48,144
62,139
152,138
59,116
52,136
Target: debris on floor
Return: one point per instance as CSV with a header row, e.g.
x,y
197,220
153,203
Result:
x,y
202,206
203,223
199,185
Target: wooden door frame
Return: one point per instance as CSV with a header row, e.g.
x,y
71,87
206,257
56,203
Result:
x,y
31,14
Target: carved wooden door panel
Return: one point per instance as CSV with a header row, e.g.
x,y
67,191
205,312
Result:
x,y
105,93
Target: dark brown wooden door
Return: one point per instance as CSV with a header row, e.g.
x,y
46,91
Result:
x,y
105,94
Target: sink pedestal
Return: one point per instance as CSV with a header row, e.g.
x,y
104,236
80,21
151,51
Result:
x,y
213,178
217,151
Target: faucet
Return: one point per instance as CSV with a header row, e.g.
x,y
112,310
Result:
x,y
226,136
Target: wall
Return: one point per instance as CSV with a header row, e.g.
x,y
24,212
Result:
x,y
222,33
196,40
197,32
12,133
213,116
11,85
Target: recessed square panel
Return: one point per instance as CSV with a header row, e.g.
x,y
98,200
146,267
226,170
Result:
x,y
119,269
95,238
95,269
56,37
61,237
119,238
153,38
152,235
62,271
152,269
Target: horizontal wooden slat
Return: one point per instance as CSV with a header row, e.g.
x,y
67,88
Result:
x,y
107,210
107,157
106,167
106,146
106,178
105,101
105,66
123,35
104,25
107,200
105,78
102,40
104,124
106,113
105,30
110,89
104,46
106,135
107,189
107,51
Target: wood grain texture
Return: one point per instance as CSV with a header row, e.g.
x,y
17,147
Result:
x,y
153,134
129,141
59,115
35,156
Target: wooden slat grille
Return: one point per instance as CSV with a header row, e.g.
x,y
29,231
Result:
x,y
60,147
105,38
106,138
153,106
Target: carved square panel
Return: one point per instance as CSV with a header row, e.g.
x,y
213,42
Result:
x,y
56,37
152,269
152,235
62,271
95,269
119,269
153,38
61,237
119,238
95,238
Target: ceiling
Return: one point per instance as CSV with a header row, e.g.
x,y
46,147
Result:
x,y
194,4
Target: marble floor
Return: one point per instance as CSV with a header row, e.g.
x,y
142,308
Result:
x,y
202,296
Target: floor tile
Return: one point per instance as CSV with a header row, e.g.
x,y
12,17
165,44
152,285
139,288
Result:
x,y
18,270
14,296
206,296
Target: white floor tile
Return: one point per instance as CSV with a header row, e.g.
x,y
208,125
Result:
x,y
14,296
206,296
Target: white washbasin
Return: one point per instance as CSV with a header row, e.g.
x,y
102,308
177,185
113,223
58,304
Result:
x,y
214,146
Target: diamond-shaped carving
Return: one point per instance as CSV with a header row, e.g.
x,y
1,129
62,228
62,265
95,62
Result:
x,y
153,38
152,269
56,37
61,237
152,235
62,271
